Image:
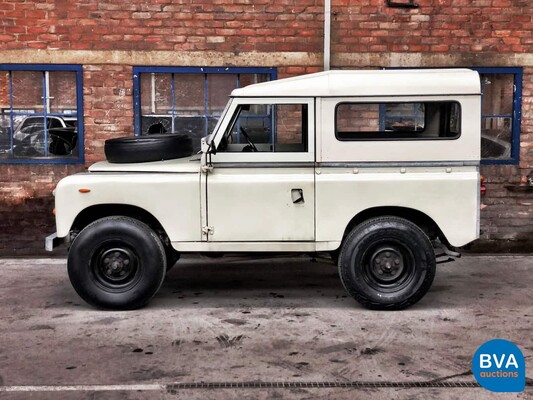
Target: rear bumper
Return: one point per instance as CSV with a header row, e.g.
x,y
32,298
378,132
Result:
x,y
52,241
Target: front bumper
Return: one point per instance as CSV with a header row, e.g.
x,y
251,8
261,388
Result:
x,y
52,241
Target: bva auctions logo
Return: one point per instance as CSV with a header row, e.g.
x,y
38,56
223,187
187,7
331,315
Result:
x,y
499,366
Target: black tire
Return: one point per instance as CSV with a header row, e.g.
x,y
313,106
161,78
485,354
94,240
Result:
x,y
387,263
148,148
117,263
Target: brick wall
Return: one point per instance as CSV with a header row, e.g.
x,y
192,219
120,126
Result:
x,y
109,37
26,206
108,106
231,25
438,26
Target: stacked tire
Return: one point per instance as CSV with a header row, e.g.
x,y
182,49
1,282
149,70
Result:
x,y
139,149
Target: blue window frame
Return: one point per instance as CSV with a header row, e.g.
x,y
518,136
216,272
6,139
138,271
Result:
x,y
187,99
501,108
41,114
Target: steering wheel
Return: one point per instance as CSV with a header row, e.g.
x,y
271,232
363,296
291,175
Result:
x,y
247,137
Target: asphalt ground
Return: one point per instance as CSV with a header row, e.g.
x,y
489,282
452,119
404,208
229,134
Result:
x,y
271,328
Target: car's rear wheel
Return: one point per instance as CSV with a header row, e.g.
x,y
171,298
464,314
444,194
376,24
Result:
x,y
387,263
117,263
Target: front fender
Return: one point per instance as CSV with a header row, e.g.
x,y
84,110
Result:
x,y
172,198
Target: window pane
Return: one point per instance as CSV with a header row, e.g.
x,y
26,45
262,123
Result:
x,y
268,128
156,94
29,138
375,121
358,118
496,138
28,91
404,117
189,94
193,126
498,91
5,121
62,95
153,124
32,131
219,87
289,119
156,103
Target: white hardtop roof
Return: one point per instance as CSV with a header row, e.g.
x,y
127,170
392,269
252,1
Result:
x,y
408,82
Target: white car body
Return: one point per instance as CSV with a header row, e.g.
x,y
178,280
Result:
x,y
241,201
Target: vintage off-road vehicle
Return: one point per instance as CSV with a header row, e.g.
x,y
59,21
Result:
x,y
380,169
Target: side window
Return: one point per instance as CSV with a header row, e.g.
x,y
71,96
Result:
x,y
267,128
398,121
500,114
36,100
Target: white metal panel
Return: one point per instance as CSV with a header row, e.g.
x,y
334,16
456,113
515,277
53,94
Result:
x,y
465,148
188,164
255,204
173,199
369,83
449,198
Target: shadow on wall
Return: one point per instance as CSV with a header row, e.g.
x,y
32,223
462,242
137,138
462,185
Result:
x,y
521,243
24,225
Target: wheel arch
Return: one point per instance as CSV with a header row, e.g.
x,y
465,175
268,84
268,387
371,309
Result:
x,y
422,220
98,211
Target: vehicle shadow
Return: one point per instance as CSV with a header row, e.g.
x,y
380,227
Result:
x,y
272,282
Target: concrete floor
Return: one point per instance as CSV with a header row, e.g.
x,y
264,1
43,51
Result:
x,y
270,320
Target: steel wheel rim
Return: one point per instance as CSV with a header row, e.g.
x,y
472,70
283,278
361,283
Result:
x,y
388,265
115,267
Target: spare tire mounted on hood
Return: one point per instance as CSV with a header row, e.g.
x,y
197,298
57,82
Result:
x,y
147,148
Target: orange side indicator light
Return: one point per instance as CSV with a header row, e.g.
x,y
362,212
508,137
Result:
x,y
83,190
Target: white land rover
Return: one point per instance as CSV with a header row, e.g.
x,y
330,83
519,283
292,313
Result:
x,y
380,169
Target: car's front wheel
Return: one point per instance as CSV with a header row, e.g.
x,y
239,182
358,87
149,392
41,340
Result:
x,y
117,263
387,263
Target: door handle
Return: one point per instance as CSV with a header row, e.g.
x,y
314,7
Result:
x,y
297,196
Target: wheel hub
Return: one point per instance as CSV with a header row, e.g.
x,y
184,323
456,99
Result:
x,y
116,265
387,264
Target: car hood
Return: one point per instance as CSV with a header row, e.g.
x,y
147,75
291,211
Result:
x,y
180,165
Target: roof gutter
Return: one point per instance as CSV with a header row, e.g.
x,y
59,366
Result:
x,y
327,35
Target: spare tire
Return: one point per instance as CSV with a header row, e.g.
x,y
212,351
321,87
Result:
x,y
147,148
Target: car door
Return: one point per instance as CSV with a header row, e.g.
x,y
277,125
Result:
x,y
261,186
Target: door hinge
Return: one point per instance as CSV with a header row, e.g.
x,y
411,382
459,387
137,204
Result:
x,y
208,230
207,168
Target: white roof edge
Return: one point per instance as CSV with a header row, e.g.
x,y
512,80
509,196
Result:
x,y
404,82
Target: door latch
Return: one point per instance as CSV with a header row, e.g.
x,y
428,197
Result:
x,y
297,196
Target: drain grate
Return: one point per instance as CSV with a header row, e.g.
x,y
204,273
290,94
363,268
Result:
x,y
173,388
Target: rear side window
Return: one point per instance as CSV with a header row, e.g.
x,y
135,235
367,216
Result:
x,y
398,121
